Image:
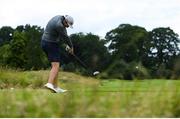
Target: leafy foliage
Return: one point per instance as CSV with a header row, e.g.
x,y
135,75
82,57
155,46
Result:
x,y
162,50
23,50
90,48
127,52
6,33
127,42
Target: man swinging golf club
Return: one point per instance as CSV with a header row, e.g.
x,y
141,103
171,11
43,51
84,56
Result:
x,y
54,32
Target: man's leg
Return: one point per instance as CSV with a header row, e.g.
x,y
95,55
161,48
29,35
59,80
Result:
x,y
53,79
53,75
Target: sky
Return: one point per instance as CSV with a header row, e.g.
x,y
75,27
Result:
x,y
95,16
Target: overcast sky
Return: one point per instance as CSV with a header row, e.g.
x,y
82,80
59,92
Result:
x,y
96,16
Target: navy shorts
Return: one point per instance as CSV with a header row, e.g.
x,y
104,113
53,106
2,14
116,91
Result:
x,y
52,50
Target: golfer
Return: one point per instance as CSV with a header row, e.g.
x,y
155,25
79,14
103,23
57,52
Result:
x,y
54,32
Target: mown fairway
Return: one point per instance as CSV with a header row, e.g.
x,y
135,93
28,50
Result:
x,y
22,95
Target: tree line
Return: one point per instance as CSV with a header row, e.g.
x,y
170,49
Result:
x,y
127,52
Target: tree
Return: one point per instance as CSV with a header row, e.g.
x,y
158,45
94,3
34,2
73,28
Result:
x,y
91,49
6,33
163,48
24,50
35,58
126,42
17,57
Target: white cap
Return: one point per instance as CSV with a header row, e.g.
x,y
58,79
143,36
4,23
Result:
x,y
69,20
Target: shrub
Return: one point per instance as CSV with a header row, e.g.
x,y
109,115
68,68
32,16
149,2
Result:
x,y
176,70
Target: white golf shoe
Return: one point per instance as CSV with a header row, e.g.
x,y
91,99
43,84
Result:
x,y
55,90
50,87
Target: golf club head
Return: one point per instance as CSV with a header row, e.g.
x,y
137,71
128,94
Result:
x,y
96,73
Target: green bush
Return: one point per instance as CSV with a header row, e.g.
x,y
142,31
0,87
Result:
x,y
117,69
140,72
163,72
129,71
176,70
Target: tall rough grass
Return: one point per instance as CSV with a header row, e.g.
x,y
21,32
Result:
x,y
22,95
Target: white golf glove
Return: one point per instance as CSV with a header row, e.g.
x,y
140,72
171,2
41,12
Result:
x,y
67,48
70,50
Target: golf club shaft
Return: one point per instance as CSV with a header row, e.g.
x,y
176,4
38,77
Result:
x,y
81,62
91,72
77,58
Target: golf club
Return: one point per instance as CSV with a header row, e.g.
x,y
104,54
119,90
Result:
x,y
93,73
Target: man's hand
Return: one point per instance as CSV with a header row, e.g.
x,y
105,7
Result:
x,y
70,50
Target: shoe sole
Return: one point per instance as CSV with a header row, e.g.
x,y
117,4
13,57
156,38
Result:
x,y
61,92
53,91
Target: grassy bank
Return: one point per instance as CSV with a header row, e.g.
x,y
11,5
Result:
x,y
22,95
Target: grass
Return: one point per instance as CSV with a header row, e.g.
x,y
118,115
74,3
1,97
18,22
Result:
x,y
22,95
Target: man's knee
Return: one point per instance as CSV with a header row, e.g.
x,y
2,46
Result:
x,y
55,64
